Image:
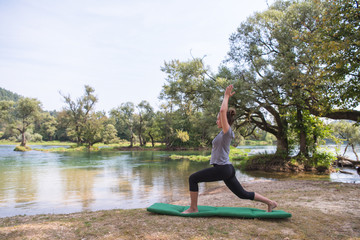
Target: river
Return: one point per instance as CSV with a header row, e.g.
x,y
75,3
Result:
x,y
37,182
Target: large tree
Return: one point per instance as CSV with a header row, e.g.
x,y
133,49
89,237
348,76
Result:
x,y
78,113
260,51
280,70
144,117
26,111
93,128
192,102
123,119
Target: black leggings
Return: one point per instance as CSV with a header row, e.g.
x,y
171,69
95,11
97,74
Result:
x,y
217,173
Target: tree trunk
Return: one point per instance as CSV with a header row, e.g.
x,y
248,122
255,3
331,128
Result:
x,y
353,148
345,149
23,139
302,134
131,138
78,135
152,140
140,140
282,146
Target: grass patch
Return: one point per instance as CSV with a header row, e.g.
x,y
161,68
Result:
x,y
22,149
72,147
234,155
44,143
256,143
196,158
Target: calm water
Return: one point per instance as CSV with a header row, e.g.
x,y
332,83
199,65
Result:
x,y
38,182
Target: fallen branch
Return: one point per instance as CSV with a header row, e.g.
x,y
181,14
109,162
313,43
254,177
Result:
x,y
342,158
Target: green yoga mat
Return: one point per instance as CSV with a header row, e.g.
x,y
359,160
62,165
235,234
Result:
x,y
207,211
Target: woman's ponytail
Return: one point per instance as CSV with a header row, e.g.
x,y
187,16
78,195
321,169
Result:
x,y
231,116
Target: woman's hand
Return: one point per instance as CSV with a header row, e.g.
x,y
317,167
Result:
x,y
228,91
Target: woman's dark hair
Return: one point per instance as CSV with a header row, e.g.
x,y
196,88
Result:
x,y
231,116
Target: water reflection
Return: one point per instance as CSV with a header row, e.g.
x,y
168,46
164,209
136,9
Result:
x,y
39,182
78,184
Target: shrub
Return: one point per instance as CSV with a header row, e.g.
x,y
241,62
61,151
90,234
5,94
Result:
x,y
37,137
322,159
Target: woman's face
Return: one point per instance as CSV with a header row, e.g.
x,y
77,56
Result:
x,y
218,121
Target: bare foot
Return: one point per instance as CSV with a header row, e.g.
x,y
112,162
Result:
x,y
191,210
271,206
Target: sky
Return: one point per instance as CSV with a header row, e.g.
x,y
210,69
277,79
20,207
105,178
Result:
x,y
118,47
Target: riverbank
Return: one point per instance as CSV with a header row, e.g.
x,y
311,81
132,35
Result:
x,y
320,210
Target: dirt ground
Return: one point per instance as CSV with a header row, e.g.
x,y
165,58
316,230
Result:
x,y
320,210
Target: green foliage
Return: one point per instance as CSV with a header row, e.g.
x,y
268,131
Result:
x,y
93,129
24,114
338,48
322,159
37,137
123,119
78,112
182,135
6,95
349,132
46,125
263,159
314,129
346,131
109,135
235,155
84,125
5,111
143,121
189,104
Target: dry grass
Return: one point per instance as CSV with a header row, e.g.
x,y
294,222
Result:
x,y
321,210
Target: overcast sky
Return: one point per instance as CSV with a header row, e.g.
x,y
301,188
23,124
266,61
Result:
x,y
115,46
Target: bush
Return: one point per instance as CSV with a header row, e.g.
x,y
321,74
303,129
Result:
x,y
238,154
322,159
37,137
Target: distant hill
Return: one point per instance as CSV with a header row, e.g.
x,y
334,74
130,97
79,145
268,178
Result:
x,y
8,95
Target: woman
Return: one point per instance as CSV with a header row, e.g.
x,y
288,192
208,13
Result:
x,y
222,168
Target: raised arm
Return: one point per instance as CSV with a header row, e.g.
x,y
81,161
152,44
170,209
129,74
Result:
x,y
224,108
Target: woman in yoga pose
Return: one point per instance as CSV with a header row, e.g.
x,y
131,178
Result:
x,y
222,168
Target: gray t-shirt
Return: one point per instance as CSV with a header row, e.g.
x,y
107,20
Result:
x,y
221,148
